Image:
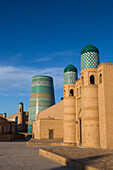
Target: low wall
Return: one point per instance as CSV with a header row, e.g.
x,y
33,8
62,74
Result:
x,y
11,137
65,161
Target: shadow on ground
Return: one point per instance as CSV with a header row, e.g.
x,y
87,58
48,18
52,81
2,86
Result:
x,y
89,161
80,164
62,168
27,138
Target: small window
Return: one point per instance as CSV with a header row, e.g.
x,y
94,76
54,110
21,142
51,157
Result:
x,y
82,80
20,110
92,79
71,92
100,78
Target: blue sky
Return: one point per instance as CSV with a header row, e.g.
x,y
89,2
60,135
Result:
x,y
43,37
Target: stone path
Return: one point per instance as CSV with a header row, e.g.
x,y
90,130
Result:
x,y
17,156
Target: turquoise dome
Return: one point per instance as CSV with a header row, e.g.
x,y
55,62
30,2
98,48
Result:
x,y
69,68
89,48
20,103
70,74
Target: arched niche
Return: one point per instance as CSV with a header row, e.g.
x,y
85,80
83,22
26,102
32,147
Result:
x,y
100,78
92,79
71,92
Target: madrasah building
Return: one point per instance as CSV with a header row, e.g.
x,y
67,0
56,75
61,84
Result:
x,y
85,115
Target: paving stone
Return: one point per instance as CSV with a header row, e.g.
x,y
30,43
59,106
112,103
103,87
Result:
x,y
17,156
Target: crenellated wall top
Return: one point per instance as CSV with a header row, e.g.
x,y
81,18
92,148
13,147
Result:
x,y
105,63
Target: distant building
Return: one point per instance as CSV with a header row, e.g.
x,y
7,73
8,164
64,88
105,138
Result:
x,y
7,128
21,119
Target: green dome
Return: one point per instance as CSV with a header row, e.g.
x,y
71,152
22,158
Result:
x,y
89,48
69,68
21,103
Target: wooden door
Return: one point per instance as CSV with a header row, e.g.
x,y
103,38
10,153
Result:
x,y
51,134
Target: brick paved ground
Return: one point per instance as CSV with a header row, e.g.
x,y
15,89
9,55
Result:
x,y
17,156
98,158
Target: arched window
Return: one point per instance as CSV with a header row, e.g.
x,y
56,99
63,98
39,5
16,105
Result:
x,y
100,78
71,92
82,80
92,79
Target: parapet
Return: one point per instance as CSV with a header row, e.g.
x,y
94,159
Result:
x,y
105,63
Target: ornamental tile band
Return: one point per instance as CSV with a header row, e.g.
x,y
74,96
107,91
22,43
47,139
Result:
x,y
70,78
89,60
89,57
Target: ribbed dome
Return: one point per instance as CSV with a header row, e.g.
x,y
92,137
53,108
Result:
x,y
69,68
89,48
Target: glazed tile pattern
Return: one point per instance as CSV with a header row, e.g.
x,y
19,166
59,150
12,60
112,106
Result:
x,y
70,77
89,60
41,97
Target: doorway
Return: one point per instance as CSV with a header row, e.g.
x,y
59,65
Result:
x,y
51,134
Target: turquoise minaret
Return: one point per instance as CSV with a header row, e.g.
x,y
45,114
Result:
x,y
41,97
70,74
89,57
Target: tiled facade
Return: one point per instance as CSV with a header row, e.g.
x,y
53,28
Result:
x,y
89,60
70,77
41,97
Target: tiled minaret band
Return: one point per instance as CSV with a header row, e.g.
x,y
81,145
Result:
x,y
42,97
